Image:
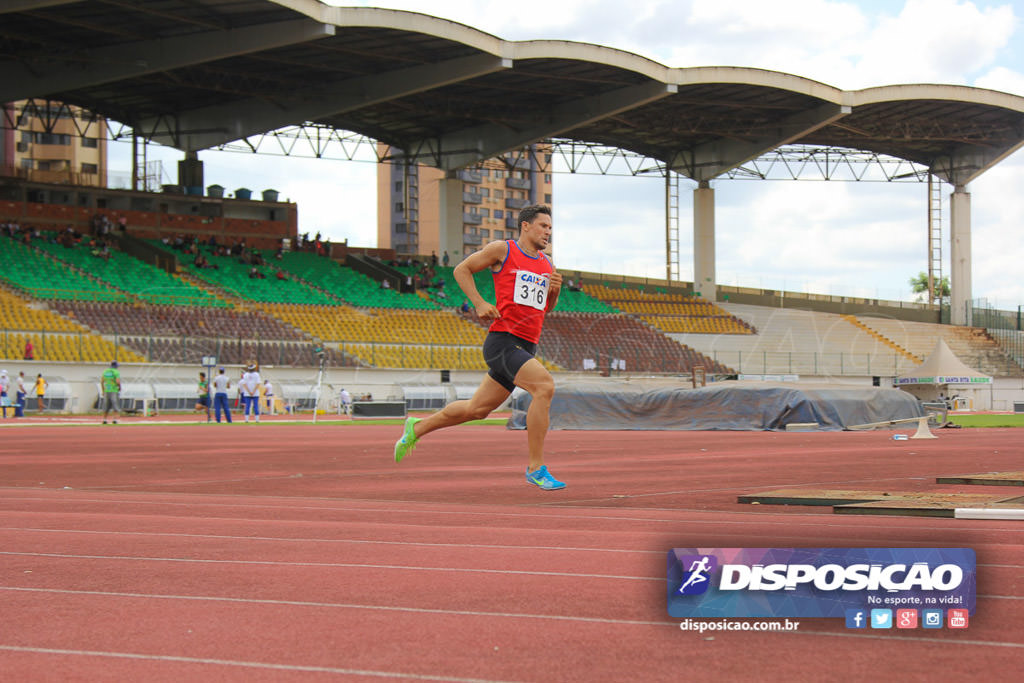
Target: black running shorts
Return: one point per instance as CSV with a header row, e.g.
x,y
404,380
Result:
x,y
504,354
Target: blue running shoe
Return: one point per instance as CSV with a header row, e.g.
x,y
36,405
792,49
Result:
x,y
543,479
408,441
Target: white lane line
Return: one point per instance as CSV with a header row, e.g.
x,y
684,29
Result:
x,y
788,521
898,639
512,615
342,605
250,665
221,537
338,565
355,541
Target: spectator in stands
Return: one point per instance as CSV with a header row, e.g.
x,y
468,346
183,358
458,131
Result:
x,y
445,259
221,384
281,275
30,350
465,307
22,392
40,388
385,284
433,259
5,400
255,274
111,381
203,392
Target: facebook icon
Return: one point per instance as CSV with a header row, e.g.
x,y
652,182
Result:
x,y
856,618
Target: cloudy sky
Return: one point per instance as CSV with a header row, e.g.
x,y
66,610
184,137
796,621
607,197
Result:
x,y
858,239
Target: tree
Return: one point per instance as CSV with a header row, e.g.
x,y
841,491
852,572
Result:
x,y
919,286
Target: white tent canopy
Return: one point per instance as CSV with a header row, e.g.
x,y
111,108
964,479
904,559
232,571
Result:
x,y
943,367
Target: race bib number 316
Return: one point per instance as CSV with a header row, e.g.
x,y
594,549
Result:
x,y
531,289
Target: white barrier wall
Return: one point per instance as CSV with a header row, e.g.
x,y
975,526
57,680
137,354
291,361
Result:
x,y
382,384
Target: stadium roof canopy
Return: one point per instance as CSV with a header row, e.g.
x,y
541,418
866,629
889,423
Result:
x,y
198,73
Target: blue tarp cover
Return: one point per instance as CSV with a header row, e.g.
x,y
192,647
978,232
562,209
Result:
x,y
729,405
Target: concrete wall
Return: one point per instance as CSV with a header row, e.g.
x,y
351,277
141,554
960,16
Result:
x,y
386,384
382,384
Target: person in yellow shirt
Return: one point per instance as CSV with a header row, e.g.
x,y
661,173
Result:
x,y
40,390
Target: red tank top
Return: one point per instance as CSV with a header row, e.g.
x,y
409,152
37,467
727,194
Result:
x,y
521,287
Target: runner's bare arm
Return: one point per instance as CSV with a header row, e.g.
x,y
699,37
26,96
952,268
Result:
x,y
487,257
554,287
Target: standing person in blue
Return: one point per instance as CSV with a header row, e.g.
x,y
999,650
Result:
x,y
111,381
250,390
221,384
526,286
19,407
5,384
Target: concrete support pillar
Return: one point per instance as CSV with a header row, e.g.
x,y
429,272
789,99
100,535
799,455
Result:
x,y
190,173
960,256
704,241
450,206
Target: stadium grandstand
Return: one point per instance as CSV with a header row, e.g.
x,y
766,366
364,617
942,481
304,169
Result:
x,y
82,298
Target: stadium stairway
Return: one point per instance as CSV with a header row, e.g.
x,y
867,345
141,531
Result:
x,y
852,319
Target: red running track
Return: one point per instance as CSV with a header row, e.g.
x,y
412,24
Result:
x,y
299,552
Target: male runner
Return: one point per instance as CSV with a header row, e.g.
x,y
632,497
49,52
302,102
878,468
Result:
x,y
526,286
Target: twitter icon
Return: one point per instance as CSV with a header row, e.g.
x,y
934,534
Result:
x,y
881,618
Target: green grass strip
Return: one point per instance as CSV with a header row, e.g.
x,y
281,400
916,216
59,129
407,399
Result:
x,y
1015,420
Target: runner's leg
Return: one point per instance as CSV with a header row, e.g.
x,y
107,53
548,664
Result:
x,y
534,378
488,396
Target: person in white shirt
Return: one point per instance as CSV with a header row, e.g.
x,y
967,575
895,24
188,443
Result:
x,y
19,407
268,394
250,391
346,401
221,384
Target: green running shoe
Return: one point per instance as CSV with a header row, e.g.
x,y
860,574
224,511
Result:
x,y
408,441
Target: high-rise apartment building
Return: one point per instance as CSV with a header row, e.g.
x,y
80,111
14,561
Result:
x,y
423,210
54,142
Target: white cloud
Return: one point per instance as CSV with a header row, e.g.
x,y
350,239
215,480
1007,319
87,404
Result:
x,y
934,41
1002,78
